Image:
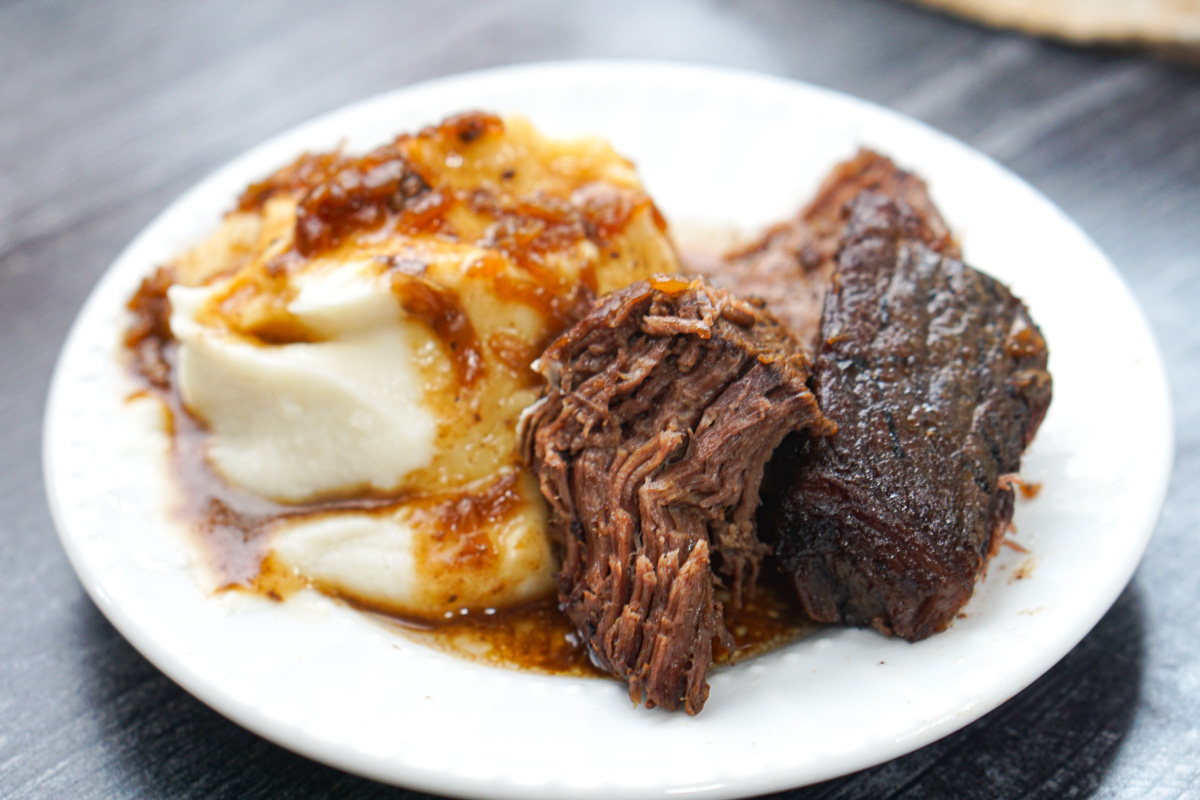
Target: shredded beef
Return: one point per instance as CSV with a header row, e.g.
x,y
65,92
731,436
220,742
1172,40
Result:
x,y
662,406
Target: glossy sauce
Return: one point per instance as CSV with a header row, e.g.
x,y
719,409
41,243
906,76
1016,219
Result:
x,y
441,310
361,194
539,637
1030,490
516,355
527,232
149,335
340,197
305,171
454,525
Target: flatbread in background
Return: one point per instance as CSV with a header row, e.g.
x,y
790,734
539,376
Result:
x,y
1172,23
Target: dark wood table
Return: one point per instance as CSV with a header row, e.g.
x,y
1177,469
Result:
x,y
108,111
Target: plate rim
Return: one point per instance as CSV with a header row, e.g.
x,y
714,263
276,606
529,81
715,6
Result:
x,y
437,780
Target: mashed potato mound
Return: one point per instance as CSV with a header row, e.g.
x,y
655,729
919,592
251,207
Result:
x,y
356,341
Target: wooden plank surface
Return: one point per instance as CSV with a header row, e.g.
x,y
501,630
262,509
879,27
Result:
x,y
110,110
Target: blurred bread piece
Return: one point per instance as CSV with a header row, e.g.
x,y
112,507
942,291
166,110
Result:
x,y
1171,27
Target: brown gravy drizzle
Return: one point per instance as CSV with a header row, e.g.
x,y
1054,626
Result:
x,y
233,525
340,196
539,637
441,310
455,525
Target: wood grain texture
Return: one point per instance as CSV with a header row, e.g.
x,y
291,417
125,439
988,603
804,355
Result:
x,y
109,111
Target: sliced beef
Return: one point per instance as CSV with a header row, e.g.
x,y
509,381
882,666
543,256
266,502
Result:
x,y
662,407
936,377
790,265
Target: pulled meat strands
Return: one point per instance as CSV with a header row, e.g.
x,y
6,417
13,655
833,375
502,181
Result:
x,y
663,405
936,376
790,265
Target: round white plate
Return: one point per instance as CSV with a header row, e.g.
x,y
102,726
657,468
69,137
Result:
x,y
714,147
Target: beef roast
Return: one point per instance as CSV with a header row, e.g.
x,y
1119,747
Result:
x,y
790,265
936,377
662,406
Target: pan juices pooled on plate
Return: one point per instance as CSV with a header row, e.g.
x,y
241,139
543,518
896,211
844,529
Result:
x,y
349,352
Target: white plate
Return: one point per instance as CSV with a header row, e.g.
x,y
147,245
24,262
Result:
x,y
713,146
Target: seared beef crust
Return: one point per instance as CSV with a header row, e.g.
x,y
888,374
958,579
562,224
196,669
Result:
x,y
936,377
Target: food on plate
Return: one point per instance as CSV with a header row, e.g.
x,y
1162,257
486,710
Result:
x,y
446,377
936,376
790,265
886,502
351,349
661,407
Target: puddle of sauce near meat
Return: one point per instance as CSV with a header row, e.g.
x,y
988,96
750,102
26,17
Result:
x,y
234,526
539,637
